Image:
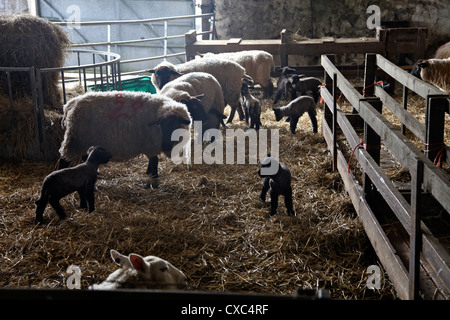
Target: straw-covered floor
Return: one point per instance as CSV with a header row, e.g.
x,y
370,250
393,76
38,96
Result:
x,y
205,219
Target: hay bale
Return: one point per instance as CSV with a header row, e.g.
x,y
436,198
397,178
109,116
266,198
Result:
x,y
17,132
28,41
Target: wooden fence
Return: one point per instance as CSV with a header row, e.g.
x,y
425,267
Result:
x,y
390,42
418,266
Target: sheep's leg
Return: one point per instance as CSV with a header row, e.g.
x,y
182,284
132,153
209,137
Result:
x,y
240,112
264,189
82,195
41,203
90,198
288,203
293,124
54,202
273,202
152,170
312,116
246,114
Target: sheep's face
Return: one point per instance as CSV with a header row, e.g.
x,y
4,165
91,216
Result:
x,y
98,154
195,108
168,125
163,75
269,167
158,272
417,68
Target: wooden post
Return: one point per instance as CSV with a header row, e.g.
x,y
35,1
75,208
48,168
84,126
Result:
x,y
405,105
329,85
372,143
335,93
415,234
370,69
284,61
434,126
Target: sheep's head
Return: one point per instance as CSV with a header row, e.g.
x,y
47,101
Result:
x,y
195,107
158,271
168,124
286,70
418,66
98,155
163,74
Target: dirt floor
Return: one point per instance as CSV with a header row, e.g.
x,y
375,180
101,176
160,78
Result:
x,y
206,220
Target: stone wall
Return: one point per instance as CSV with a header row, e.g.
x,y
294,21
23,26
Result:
x,y
264,19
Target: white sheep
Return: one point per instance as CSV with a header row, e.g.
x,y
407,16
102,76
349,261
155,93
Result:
x,y
443,51
203,87
127,124
434,71
229,74
258,64
142,272
295,109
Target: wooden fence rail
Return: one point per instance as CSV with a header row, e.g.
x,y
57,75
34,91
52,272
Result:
x,y
426,177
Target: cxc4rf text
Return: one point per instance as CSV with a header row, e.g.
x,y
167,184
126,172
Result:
x,y
230,309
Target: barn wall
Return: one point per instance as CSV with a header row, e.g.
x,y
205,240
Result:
x,y
264,19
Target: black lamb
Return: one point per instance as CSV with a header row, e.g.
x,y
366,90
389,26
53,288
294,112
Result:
x,y
81,178
277,179
284,85
305,84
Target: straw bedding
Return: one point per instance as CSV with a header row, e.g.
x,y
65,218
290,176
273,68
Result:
x,y
205,219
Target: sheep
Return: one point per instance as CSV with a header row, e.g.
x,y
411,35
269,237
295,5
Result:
x,y
295,109
303,85
202,87
284,85
434,71
258,64
126,123
277,179
443,51
137,271
229,74
252,107
81,178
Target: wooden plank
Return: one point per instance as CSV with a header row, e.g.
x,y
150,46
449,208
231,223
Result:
x,y
414,125
385,252
234,41
435,180
420,87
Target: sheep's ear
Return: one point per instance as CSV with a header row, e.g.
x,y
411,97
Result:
x,y
424,64
117,257
137,262
151,70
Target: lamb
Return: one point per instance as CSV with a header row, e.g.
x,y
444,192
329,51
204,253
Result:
x,y
284,85
137,271
277,179
229,74
434,71
126,123
303,85
252,107
295,109
258,64
81,178
201,87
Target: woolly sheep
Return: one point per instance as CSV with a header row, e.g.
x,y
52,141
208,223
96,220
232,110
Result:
x,y
295,109
305,84
252,107
202,86
284,85
434,71
443,51
229,74
81,178
127,124
258,64
278,182
137,271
